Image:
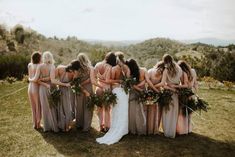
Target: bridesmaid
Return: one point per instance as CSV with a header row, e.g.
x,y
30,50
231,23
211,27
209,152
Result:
x,y
33,90
154,112
137,115
103,71
46,73
184,121
86,73
65,74
171,75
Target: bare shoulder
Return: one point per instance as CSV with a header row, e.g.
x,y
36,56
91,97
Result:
x,y
143,69
97,65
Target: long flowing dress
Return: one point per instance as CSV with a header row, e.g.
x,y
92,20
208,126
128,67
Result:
x,y
154,113
137,114
119,121
83,113
64,108
184,124
104,113
170,116
33,93
49,113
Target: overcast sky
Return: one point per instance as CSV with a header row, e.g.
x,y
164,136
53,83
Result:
x,y
124,19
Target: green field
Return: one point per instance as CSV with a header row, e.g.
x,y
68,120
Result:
x,y
214,136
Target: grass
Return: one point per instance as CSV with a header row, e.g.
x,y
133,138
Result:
x,y
214,136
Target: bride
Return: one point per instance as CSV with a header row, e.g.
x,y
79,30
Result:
x,y
119,122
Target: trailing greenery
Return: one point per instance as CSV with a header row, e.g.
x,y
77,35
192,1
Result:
x,y
54,96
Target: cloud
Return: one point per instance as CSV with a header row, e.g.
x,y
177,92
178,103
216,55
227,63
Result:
x,y
88,10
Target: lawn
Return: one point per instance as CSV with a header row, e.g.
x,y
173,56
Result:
x,y
214,136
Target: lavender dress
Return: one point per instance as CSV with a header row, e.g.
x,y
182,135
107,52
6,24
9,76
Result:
x,y
64,108
84,114
49,114
137,115
170,117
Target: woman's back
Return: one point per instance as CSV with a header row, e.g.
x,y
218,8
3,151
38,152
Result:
x,y
45,70
175,79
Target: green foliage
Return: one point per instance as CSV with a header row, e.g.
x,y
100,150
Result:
x,y
109,98
18,32
165,98
76,85
10,79
13,66
54,96
228,85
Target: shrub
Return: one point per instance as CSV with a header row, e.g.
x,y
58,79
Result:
x,y
210,81
10,79
13,66
228,85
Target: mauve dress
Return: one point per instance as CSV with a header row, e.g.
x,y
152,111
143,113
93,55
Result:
x,y
154,113
184,124
64,108
170,116
49,114
83,113
33,93
137,114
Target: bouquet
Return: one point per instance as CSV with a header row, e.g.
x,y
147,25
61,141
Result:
x,y
109,98
185,94
76,85
148,97
54,96
165,98
127,83
94,100
201,104
190,104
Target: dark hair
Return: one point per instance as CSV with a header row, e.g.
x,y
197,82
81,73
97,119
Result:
x,y
110,59
169,64
186,68
134,69
73,66
36,57
160,66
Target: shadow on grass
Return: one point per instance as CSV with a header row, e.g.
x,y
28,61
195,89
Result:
x,y
77,143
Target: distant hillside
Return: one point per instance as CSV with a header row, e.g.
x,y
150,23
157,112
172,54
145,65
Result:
x,y
17,45
211,41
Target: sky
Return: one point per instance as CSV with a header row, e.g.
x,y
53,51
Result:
x,y
123,19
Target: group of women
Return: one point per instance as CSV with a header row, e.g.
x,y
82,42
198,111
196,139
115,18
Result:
x,y
107,75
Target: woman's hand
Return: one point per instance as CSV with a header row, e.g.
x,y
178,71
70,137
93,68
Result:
x,y
87,94
67,85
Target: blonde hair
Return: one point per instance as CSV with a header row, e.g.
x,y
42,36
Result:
x,y
48,58
120,56
84,61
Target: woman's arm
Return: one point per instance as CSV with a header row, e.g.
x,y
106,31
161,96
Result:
x,y
163,81
44,84
92,78
53,80
36,76
185,81
150,82
137,88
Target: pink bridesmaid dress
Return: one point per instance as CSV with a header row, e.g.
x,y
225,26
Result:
x,y
104,114
33,93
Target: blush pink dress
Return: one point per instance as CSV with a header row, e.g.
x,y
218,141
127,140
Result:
x,y
33,93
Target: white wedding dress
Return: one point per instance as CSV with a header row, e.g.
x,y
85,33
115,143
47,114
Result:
x,y
119,121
